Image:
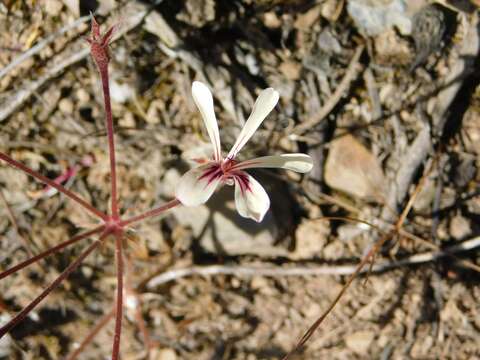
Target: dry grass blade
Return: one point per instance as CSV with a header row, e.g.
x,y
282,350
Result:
x,y
369,257
91,335
349,76
14,223
70,268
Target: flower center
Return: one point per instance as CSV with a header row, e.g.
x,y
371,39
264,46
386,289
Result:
x,y
227,165
225,170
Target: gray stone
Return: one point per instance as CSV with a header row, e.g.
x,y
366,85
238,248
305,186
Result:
x,y
372,17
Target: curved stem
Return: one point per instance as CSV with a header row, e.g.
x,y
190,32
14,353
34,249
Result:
x,y
53,184
53,285
119,304
111,137
50,251
151,213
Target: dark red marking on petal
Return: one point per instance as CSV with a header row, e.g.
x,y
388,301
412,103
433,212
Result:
x,y
212,173
228,165
243,164
242,180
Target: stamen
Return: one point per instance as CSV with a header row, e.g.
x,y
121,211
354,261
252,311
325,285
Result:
x,y
228,165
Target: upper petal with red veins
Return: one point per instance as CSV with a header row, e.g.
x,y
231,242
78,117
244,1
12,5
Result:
x,y
204,100
197,185
301,163
264,104
251,199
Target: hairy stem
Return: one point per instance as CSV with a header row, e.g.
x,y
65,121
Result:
x,y
111,137
151,213
23,314
91,335
119,304
50,251
53,184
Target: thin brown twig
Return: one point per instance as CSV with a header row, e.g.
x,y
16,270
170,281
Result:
x,y
401,232
374,250
27,89
91,335
14,223
332,101
40,45
277,271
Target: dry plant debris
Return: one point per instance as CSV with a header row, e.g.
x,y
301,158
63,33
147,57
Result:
x,y
210,284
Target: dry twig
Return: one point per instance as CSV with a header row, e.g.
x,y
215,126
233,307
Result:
x,y
40,45
417,153
277,271
73,56
330,104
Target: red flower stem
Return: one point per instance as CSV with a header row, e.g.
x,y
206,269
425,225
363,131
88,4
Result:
x,y
151,213
103,70
119,305
96,329
50,251
23,314
53,184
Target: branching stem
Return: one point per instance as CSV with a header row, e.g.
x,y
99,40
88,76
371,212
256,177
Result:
x,y
151,213
53,285
50,251
53,184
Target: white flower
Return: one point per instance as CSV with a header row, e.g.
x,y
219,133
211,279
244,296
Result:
x,y
197,185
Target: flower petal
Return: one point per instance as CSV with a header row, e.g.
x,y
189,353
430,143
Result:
x,y
301,163
251,199
265,103
197,185
204,101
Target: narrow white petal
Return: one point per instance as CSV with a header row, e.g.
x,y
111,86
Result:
x,y
204,101
265,103
301,163
251,199
194,188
